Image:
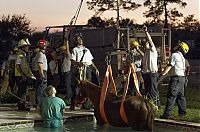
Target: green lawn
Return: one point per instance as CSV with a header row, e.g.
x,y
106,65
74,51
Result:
x,y
193,104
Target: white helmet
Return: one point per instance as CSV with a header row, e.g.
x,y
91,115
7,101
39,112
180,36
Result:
x,y
23,42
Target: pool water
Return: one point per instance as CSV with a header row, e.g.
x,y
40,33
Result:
x,y
89,126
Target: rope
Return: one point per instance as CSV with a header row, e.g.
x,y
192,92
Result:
x,y
16,96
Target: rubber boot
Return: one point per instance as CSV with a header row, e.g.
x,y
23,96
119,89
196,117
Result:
x,y
72,105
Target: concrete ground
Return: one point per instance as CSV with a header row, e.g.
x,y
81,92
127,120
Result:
x,y
11,118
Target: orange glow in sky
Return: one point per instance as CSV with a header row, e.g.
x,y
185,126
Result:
x,y
43,13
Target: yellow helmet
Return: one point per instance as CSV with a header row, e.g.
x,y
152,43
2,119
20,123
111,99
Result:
x,y
184,46
63,47
135,44
23,42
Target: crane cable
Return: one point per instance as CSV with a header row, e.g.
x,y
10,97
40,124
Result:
x,y
73,21
75,17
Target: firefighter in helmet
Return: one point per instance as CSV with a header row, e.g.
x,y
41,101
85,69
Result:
x,y
22,70
66,70
176,71
135,58
41,65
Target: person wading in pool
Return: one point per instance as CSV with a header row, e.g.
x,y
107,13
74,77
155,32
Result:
x,y
52,109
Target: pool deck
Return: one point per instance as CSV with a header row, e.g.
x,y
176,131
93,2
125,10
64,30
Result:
x,y
11,118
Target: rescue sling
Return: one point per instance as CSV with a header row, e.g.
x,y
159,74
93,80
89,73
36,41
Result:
x,y
108,76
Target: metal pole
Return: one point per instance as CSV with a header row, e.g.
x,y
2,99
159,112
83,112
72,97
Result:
x,y
118,38
163,46
118,27
169,40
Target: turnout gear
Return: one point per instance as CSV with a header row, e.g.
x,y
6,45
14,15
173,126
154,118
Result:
x,y
184,47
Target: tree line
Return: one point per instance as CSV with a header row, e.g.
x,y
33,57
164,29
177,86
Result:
x,y
17,26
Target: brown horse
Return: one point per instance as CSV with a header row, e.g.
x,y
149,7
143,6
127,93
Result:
x,y
139,111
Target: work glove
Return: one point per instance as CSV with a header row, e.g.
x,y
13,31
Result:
x,y
44,80
32,77
145,28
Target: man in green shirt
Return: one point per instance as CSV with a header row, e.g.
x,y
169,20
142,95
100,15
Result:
x,y
52,109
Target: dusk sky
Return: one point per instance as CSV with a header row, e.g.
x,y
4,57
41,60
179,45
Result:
x,y
44,13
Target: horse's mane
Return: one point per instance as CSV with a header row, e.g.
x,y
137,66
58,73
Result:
x,y
89,85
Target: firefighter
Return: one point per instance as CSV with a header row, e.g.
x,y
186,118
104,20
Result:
x,y
66,70
82,66
53,79
42,66
12,58
22,71
150,68
136,58
176,71
34,64
4,79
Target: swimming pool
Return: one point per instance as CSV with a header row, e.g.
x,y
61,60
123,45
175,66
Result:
x,y
91,126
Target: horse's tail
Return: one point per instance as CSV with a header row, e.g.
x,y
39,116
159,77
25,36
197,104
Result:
x,y
150,115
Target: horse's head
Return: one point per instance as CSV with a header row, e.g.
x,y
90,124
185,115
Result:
x,y
88,90
82,93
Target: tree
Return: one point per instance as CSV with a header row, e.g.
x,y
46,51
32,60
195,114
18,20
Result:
x,y
126,22
96,21
157,8
100,6
190,23
174,15
14,27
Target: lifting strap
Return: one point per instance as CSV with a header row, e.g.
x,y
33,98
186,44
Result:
x,y
108,76
131,69
135,79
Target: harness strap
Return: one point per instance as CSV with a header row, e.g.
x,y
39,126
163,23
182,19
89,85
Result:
x,y
103,95
131,69
122,112
135,79
108,76
113,87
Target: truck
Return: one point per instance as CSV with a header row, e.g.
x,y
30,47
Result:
x,y
111,41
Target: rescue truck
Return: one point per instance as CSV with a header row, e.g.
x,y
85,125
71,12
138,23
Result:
x,y
111,41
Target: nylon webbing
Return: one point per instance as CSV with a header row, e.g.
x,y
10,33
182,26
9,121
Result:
x,y
122,112
108,76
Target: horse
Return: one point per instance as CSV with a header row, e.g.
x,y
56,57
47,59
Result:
x,y
140,112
